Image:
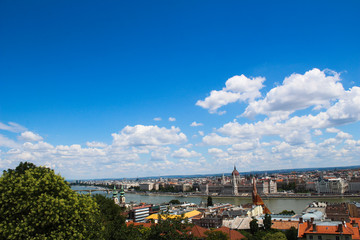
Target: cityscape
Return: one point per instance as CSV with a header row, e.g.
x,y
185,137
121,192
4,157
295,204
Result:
x,y
151,120
331,198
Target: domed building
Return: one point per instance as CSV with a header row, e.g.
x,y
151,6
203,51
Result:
x,y
235,175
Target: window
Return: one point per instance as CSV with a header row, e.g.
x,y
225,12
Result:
x,y
319,237
337,238
310,237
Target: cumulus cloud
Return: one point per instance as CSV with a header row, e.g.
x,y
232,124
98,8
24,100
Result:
x,y
216,140
30,136
172,119
6,142
237,88
314,88
184,153
157,119
95,144
195,124
160,154
141,135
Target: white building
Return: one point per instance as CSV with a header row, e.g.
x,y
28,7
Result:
x,y
335,185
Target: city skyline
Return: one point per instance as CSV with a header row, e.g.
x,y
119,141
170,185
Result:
x,y
126,90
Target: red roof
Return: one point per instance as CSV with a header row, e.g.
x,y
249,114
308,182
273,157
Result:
x,y
284,225
197,231
233,234
347,229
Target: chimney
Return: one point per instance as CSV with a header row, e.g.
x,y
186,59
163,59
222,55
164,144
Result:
x,y
301,220
340,228
354,223
314,227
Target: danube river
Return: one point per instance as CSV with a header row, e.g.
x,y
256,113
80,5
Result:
x,y
276,205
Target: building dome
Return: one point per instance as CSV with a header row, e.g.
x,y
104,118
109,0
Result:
x,y
235,172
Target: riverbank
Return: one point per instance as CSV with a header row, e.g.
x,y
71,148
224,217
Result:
x,y
285,196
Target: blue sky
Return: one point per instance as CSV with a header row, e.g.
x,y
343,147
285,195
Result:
x,y
82,82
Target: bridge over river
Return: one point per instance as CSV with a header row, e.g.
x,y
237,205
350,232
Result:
x,y
96,190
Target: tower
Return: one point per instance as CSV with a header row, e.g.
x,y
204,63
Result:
x,y
235,186
122,196
235,176
115,196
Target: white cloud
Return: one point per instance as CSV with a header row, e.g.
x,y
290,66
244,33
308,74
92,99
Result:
x,y
30,136
343,135
317,132
195,124
216,140
95,144
314,88
12,127
184,153
157,119
141,135
6,142
172,119
160,154
201,133
217,152
332,130
237,88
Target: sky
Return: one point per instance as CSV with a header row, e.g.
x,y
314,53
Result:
x,y
113,89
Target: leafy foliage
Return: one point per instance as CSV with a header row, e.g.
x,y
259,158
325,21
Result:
x,y
286,212
111,217
209,201
254,227
274,236
291,234
267,222
174,201
170,228
36,203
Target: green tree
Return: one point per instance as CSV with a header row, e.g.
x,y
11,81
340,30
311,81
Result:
x,y
174,201
291,234
267,222
111,216
170,228
286,212
35,203
216,235
274,236
209,201
254,227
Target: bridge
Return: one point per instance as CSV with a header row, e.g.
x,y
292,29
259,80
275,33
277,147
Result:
x,y
97,190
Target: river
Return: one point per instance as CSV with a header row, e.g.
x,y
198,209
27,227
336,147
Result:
x,y
275,205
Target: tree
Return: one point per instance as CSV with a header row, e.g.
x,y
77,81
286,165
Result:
x,y
291,234
274,236
111,216
267,222
216,235
209,201
35,203
170,228
174,201
254,227
286,212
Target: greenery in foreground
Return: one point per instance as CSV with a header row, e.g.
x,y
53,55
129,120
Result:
x,y
35,203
